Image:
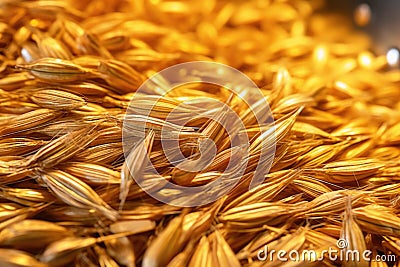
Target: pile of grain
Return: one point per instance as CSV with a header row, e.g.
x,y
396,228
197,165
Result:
x,y
68,70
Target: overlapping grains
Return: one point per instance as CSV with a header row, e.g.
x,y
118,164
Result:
x,y
166,245
68,71
121,249
221,252
61,149
64,251
18,146
134,166
378,219
28,121
76,193
352,233
120,75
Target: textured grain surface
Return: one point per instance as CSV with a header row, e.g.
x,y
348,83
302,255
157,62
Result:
x,y
68,70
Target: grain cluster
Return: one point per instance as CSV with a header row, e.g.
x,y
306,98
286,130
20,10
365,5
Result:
x,y
68,71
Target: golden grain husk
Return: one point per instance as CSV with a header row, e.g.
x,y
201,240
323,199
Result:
x,y
68,195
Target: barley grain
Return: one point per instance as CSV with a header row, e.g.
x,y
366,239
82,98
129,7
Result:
x,y
69,72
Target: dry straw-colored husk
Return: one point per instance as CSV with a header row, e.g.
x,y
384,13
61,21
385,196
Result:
x,y
69,197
